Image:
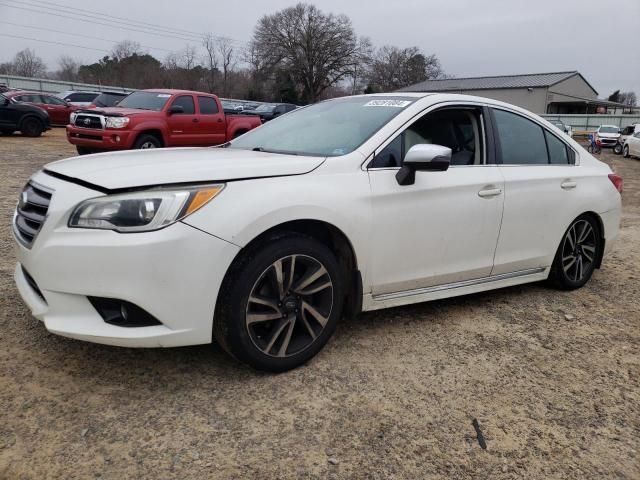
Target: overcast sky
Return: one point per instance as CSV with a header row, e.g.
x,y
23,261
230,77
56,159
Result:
x,y
471,37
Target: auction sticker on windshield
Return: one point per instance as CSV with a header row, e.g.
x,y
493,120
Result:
x,y
388,103
163,95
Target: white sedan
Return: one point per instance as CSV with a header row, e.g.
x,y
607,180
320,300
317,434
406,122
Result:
x,y
352,204
632,145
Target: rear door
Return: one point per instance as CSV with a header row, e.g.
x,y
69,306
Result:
x,y
212,127
634,144
58,110
541,181
183,128
9,114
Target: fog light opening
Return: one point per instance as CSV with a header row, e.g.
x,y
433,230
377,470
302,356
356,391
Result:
x,y
122,313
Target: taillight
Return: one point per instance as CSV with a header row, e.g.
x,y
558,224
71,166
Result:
x,y
617,181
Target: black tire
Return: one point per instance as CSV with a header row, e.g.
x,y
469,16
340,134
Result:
x,y
146,141
582,242
255,269
625,151
617,149
83,150
239,133
32,127
6,132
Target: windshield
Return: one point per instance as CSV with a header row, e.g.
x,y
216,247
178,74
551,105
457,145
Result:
x,y
329,129
145,101
266,108
107,99
609,130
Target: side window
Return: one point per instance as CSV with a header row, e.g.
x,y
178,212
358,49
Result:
x,y
50,100
522,141
208,105
558,154
458,129
29,98
186,102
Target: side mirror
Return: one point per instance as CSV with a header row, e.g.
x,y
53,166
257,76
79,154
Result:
x,y
423,157
173,109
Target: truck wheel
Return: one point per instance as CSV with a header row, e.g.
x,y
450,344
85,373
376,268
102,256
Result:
x,y
32,127
147,141
239,133
83,150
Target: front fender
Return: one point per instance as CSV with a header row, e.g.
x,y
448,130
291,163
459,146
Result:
x,y
137,128
248,208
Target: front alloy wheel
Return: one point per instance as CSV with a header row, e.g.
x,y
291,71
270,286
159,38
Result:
x,y
280,302
289,306
577,255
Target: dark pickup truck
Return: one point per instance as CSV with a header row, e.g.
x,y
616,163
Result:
x,y
155,119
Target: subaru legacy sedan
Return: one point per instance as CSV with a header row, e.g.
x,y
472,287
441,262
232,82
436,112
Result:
x,y
264,243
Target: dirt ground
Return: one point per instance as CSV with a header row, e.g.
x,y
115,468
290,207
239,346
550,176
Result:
x,y
393,394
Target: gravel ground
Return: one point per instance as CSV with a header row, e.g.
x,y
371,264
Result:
x,y
551,377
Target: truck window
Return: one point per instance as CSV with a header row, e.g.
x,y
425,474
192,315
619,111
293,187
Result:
x,y
208,105
186,102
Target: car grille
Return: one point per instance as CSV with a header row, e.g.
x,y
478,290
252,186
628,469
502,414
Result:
x,y
31,212
88,121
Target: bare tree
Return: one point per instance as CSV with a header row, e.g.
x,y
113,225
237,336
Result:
x,y
210,60
318,49
361,65
27,64
228,57
126,49
67,69
393,68
628,98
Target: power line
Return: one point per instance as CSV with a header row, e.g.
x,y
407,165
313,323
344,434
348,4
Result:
x,y
77,35
178,30
99,19
53,42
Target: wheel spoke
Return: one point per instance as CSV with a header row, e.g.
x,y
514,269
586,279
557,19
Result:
x,y
570,235
262,317
276,335
572,261
264,301
589,252
586,231
309,279
277,267
287,339
306,324
292,269
578,268
321,319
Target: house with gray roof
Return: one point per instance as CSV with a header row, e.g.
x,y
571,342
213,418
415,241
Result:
x,y
554,92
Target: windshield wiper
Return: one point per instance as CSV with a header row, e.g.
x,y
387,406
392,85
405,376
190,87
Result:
x,y
277,152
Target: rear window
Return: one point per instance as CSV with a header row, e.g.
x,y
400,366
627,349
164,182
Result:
x,y
81,97
208,105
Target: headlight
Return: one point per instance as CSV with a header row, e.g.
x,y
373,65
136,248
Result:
x,y
141,211
116,122
72,117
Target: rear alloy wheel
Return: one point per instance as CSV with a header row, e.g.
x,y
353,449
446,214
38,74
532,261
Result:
x,y
281,305
625,151
577,255
32,127
144,142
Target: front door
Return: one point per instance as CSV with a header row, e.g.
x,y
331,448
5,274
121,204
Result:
x,y
444,228
183,128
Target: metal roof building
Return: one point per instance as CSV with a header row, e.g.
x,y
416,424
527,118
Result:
x,y
554,92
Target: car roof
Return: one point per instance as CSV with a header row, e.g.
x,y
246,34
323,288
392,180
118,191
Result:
x,y
171,91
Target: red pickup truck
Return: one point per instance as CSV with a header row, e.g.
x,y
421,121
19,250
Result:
x,y
157,118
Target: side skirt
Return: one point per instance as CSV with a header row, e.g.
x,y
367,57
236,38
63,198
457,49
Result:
x,y
376,302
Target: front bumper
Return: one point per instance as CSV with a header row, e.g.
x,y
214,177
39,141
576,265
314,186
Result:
x,y
100,139
174,274
608,142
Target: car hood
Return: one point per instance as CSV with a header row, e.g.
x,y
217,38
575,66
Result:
x,y
608,135
120,112
142,168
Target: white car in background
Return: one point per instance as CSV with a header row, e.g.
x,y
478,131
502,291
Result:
x,y
625,133
608,135
263,244
632,145
79,99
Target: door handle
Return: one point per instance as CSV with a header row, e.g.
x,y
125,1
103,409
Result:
x,y
568,185
195,120
490,192
219,120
